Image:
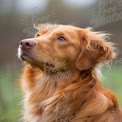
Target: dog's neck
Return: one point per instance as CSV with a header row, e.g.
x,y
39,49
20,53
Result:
x,y
54,95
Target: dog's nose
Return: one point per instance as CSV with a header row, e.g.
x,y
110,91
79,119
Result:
x,y
27,44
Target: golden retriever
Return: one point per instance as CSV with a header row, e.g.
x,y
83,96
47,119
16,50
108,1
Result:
x,y
61,81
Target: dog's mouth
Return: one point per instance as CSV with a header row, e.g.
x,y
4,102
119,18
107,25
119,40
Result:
x,y
25,57
33,62
47,66
30,59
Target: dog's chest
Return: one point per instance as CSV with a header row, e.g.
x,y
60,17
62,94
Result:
x,y
34,111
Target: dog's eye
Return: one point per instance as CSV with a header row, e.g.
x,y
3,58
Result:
x,y
61,38
37,35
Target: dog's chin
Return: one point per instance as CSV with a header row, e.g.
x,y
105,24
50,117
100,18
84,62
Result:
x,y
26,58
31,61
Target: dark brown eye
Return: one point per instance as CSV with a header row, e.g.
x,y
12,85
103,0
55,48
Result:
x,y
37,35
61,38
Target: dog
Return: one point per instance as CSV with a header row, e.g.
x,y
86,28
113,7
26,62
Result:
x,y
61,80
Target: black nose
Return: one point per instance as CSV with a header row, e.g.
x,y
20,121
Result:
x,y
27,44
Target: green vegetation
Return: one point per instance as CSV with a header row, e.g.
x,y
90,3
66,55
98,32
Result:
x,y
113,80
10,95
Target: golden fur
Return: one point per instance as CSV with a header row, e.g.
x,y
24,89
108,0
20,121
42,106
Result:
x,y
61,79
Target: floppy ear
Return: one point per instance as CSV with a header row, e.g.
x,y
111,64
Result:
x,y
94,50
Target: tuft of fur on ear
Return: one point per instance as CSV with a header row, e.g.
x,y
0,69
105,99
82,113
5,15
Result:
x,y
95,49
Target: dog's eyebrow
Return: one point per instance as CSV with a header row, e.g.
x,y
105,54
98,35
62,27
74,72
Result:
x,y
59,33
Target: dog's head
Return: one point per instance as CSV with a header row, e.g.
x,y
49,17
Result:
x,y
63,47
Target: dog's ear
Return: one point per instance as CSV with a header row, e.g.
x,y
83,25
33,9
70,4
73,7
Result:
x,y
94,49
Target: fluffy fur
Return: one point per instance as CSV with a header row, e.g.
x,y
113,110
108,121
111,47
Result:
x,y
61,78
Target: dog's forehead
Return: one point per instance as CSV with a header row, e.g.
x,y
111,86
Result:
x,y
65,30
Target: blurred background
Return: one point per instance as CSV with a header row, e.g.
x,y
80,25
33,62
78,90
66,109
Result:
x,y
16,23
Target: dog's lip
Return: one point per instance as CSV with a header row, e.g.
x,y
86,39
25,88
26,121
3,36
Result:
x,y
26,57
29,59
34,62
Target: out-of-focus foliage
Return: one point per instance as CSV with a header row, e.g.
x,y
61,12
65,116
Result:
x,y
10,96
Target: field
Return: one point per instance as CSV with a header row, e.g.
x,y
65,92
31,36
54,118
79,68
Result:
x,y
10,95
